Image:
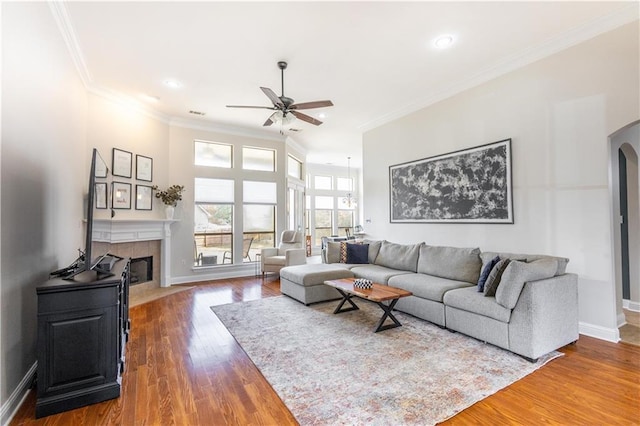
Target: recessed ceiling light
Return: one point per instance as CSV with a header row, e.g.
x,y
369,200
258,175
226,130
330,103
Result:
x,y
443,41
174,84
322,115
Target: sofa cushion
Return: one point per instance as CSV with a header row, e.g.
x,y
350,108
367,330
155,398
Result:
x,y
486,256
374,248
403,257
314,273
468,299
426,286
357,253
486,270
518,273
493,281
376,273
461,264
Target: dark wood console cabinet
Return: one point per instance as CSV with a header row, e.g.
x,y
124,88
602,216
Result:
x,y
83,326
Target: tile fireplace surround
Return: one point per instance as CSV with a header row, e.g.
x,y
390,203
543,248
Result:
x,y
137,238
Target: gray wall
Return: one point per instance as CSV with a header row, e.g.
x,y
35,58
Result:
x,y
44,173
559,112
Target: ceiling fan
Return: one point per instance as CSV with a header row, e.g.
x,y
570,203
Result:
x,y
284,107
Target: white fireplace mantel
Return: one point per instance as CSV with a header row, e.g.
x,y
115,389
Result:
x,y
132,230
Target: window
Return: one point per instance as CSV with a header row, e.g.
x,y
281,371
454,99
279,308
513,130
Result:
x,y
294,167
323,218
344,184
332,194
213,154
259,217
323,182
213,221
258,159
345,221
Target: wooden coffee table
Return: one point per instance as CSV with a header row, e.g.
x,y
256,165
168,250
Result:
x,y
379,293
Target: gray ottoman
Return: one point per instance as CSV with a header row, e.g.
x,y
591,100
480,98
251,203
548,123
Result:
x,y
305,283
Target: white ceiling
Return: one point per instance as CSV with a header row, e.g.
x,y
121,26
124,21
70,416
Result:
x,y
374,60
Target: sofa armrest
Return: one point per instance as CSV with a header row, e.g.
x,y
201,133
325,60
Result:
x,y
295,257
545,317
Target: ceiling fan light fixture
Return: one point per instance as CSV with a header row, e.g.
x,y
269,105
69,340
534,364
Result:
x,y
280,117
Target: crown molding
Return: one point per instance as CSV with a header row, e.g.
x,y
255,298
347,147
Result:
x,y
128,102
226,129
577,35
61,16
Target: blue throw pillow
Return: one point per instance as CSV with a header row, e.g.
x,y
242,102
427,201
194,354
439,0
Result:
x,y
485,273
357,253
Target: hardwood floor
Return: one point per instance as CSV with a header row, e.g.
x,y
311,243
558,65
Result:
x,y
184,368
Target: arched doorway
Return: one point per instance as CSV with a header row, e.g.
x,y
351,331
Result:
x,y
625,146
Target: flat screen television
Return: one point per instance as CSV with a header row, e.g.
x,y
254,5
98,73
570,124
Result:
x,y
90,265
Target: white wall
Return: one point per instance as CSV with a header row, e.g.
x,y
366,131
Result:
x,y
44,176
559,112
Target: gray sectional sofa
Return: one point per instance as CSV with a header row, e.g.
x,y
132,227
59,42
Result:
x,y
534,309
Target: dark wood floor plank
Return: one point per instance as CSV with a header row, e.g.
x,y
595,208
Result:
x,y
184,368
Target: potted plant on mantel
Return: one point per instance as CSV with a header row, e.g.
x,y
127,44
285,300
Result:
x,y
170,198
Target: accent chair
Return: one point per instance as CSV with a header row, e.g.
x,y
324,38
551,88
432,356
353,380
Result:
x,y
290,251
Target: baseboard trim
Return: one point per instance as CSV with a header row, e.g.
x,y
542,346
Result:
x,y
216,273
599,332
631,306
17,397
621,320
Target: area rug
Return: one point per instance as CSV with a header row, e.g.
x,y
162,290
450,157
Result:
x,y
333,369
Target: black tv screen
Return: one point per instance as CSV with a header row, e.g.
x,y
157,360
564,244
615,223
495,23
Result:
x,y
96,200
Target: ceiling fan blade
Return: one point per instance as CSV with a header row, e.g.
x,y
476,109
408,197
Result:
x,y
310,105
274,98
249,106
305,117
269,121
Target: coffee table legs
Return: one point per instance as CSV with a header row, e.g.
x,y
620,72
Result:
x,y
345,298
386,308
387,314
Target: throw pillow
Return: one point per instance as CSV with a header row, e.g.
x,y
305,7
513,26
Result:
x,y
493,281
333,252
343,252
485,273
517,274
357,253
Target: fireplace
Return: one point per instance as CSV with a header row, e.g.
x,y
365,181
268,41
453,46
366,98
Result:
x,y
141,270
138,238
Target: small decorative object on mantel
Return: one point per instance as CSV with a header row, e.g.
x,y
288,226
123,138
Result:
x,y
362,283
170,198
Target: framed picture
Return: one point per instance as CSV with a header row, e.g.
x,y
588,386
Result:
x,y
101,167
120,195
467,186
101,195
143,197
144,168
121,163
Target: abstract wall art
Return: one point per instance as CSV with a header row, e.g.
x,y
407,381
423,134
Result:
x,y
467,186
